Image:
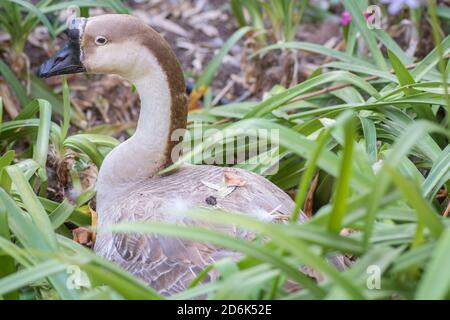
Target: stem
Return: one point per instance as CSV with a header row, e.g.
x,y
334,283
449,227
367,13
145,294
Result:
x,y
437,40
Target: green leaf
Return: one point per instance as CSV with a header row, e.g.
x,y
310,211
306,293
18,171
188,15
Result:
x,y
431,60
7,265
438,175
112,4
41,150
107,273
82,144
423,209
35,239
41,90
97,139
209,236
278,234
67,110
401,72
443,12
307,176
413,257
32,204
316,48
392,46
15,84
409,137
237,7
370,137
29,275
289,139
79,216
38,13
272,103
6,159
1,112
357,68
61,214
435,283
343,181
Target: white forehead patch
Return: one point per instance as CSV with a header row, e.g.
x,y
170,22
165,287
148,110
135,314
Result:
x,y
77,24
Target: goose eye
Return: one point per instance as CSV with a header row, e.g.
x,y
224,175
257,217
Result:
x,y
100,40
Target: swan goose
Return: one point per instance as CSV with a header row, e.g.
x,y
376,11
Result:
x,y
128,187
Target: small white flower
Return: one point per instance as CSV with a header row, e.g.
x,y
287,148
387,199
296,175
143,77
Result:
x,y
327,122
376,167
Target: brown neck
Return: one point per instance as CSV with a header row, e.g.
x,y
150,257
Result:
x,y
161,87
177,88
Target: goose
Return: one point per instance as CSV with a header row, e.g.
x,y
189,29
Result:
x,y
128,186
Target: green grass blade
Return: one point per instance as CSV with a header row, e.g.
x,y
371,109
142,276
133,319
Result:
x,y
61,214
370,137
201,234
6,159
315,48
29,275
32,204
307,176
435,283
438,175
82,144
33,239
272,103
66,113
424,210
403,75
38,13
7,265
431,60
392,46
108,273
343,181
41,150
15,84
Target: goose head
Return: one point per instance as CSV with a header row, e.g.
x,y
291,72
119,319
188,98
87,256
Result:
x,y
113,44
126,46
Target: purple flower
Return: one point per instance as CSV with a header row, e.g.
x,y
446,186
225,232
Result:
x,y
396,5
346,18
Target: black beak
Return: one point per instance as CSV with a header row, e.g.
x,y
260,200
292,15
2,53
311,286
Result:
x,y
65,61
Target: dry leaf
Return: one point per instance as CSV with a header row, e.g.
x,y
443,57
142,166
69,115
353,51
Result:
x,y
308,207
8,101
233,180
82,236
94,221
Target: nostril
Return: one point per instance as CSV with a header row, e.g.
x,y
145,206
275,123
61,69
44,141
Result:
x,y
59,59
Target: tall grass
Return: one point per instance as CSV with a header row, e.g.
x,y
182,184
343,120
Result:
x,y
379,146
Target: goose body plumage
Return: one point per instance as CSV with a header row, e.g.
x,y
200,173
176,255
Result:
x,y
169,264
